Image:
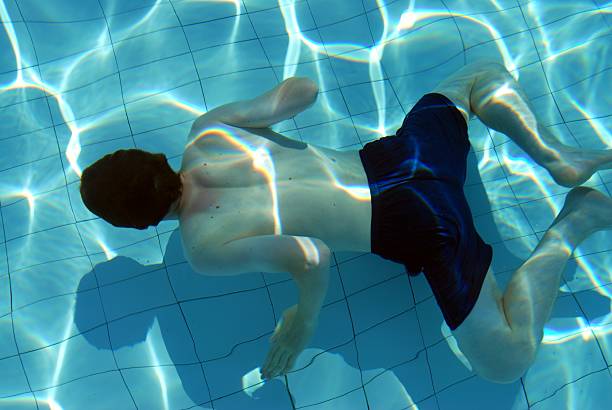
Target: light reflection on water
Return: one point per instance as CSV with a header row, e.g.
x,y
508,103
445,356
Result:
x,y
86,78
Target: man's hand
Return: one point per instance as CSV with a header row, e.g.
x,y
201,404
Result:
x,y
289,339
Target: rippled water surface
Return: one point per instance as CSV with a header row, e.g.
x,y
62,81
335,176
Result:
x,y
96,317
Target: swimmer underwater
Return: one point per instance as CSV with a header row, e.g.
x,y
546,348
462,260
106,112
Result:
x,y
250,200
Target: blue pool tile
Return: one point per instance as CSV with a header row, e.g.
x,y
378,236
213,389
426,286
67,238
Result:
x,y
479,394
8,59
381,302
7,341
158,76
566,355
532,80
140,21
554,18
504,50
494,26
51,279
52,319
87,9
325,15
484,166
124,298
361,98
489,227
13,13
70,247
158,335
13,379
20,177
270,21
276,48
108,97
237,86
273,396
13,125
352,67
182,385
404,386
76,38
150,47
591,134
430,321
333,134
5,285
170,140
589,271
410,82
446,368
478,197
366,124
327,380
319,71
45,146
401,340
580,96
593,303
113,126
42,364
112,7
24,401
188,284
217,32
53,203
420,287
163,109
510,254
367,270
97,392
351,401
209,319
19,94
197,12
352,32
248,54
226,375
330,106
334,327
590,392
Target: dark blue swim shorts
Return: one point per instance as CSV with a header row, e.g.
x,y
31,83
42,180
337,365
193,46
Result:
x,y
420,217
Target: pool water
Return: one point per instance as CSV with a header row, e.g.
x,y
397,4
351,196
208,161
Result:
x,y
97,317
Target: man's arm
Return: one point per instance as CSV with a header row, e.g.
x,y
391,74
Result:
x,y
284,101
306,259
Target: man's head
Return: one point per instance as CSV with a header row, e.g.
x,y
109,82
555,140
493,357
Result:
x,y
131,188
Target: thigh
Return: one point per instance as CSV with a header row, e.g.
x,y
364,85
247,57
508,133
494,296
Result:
x,y
485,331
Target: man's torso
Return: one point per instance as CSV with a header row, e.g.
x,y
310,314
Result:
x,y
240,184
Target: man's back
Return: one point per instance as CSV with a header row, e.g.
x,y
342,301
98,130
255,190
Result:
x,y
251,182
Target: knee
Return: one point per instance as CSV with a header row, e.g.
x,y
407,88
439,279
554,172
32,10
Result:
x,y
510,366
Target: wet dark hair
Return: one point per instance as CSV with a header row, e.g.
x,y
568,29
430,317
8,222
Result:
x,y
130,188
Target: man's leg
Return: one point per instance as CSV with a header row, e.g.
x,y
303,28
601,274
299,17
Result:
x,y
529,297
490,92
502,334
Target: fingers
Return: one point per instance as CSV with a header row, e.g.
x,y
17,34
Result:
x,y
276,363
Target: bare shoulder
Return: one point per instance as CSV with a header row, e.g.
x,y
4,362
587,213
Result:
x,y
197,239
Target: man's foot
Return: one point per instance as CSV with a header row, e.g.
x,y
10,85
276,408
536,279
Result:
x,y
575,166
588,209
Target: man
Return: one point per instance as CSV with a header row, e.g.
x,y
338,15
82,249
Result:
x,y
250,200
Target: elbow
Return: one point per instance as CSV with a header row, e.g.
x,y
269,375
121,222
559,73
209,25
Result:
x,y
304,86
